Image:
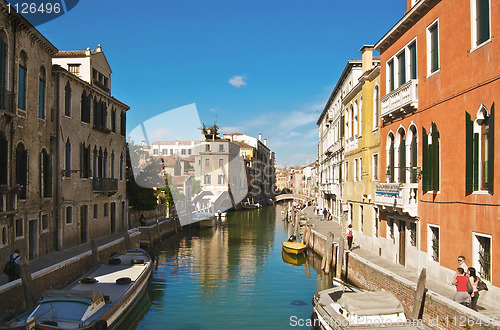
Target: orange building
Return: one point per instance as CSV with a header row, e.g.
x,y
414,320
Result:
x,y
440,80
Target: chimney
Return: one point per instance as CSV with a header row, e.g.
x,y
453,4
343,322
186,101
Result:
x,y
367,57
143,143
87,51
98,48
260,136
265,142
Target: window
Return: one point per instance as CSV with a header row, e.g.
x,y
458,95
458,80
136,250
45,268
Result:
x,y
74,69
402,156
375,220
361,220
183,151
171,151
67,100
350,213
69,214
113,120
207,147
164,151
221,147
376,107
433,247
45,221
155,152
355,170
96,211
360,169
221,162
346,171
41,94
480,137
85,107
207,179
4,159
430,159
123,123
482,255
413,154
390,230
67,159
413,60
207,162
100,113
113,165
390,78
3,70
221,180
401,68
94,74
121,167
480,17
45,175
19,228
4,235
413,234
84,161
375,167
433,48
22,169
189,151
21,88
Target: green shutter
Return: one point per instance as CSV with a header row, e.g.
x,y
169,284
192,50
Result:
x,y
436,166
391,161
425,161
469,153
482,21
491,150
342,126
413,159
402,161
413,61
402,68
475,162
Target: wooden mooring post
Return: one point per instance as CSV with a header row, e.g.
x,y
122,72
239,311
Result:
x,y
419,295
340,258
95,251
327,257
27,283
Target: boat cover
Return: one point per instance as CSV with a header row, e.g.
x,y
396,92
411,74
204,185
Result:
x,y
371,303
93,296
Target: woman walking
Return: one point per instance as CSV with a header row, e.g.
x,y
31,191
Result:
x,y
474,280
460,280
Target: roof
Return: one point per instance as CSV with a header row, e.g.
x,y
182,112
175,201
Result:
x,y
177,180
243,145
70,53
173,142
233,133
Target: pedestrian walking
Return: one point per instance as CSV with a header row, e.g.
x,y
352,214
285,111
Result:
x,y
325,212
329,216
350,235
461,263
474,281
460,281
12,266
142,219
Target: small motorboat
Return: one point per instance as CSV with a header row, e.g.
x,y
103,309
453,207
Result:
x,y
101,299
293,247
347,307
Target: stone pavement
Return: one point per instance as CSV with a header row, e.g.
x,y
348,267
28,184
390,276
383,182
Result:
x,y
59,256
409,273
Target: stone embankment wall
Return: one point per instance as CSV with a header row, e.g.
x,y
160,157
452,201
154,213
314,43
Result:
x,y
154,234
439,311
58,276
158,213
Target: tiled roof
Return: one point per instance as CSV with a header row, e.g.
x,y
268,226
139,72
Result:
x,y
173,142
243,145
177,180
70,53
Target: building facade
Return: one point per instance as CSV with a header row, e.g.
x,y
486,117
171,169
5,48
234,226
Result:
x,y
438,141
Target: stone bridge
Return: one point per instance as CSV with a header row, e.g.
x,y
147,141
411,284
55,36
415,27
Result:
x,y
283,197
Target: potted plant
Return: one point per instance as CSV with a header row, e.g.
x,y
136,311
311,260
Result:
x,y
4,188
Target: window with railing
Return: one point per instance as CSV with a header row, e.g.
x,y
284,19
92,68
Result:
x,y
484,256
434,243
413,234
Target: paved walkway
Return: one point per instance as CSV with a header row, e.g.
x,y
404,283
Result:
x,y
59,256
324,227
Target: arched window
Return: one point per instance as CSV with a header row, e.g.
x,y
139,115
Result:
x,y
413,152
355,122
123,123
85,107
430,159
402,155
3,69
84,161
221,180
360,116
99,164
22,168
390,156
113,165
376,109
105,164
41,93
67,158
67,100
206,179
21,79
45,175
121,167
4,156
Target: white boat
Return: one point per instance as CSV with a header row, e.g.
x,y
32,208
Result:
x,y
347,307
205,219
99,300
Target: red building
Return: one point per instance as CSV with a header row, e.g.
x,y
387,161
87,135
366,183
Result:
x,y
440,81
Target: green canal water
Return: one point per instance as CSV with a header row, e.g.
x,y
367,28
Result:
x,y
232,276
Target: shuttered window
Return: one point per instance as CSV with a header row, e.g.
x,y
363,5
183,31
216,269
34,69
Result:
x,y
391,75
431,166
482,21
402,68
413,60
434,47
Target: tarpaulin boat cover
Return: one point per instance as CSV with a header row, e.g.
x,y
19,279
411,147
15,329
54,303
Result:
x,y
371,303
92,296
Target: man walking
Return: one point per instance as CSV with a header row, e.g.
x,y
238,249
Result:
x,y
12,267
461,262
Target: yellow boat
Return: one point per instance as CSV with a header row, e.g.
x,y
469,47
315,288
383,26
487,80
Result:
x,y
293,247
293,259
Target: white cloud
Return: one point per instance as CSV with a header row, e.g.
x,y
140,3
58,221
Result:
x,y
295,134
238,81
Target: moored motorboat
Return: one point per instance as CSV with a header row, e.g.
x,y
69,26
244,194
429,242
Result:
x,y
347,307
205,219
293,247
99,300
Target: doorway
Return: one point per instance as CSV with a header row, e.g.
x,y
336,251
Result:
x,y
83,223
402,242
33,239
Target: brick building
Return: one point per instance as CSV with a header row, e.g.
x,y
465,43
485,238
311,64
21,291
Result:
x,y
439,86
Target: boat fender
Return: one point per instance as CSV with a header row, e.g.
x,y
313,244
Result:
x,y
292,238
88,280
123,280
114,261
137,261
101,325
315,323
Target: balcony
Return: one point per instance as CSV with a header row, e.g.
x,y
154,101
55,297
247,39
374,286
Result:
x,y
104,185
402,99
8,204
399,198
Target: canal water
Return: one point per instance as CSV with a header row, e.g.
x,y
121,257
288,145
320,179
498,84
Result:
x,y
231,276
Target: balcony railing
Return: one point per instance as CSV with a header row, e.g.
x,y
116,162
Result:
x,y
106,185
8,204
404,98
397,197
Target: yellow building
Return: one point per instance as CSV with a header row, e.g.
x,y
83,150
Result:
x,y
362,150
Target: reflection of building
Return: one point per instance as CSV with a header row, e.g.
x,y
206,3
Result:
x,y
91,148
438,116
260,164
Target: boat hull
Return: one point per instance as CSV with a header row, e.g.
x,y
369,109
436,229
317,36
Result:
x,y
294,247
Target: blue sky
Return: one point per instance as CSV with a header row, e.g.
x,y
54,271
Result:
x,y
259,66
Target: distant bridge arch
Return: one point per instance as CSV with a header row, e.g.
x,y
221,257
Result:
x,y
283,197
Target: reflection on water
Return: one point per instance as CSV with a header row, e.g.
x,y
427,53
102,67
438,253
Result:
x,y
231,275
